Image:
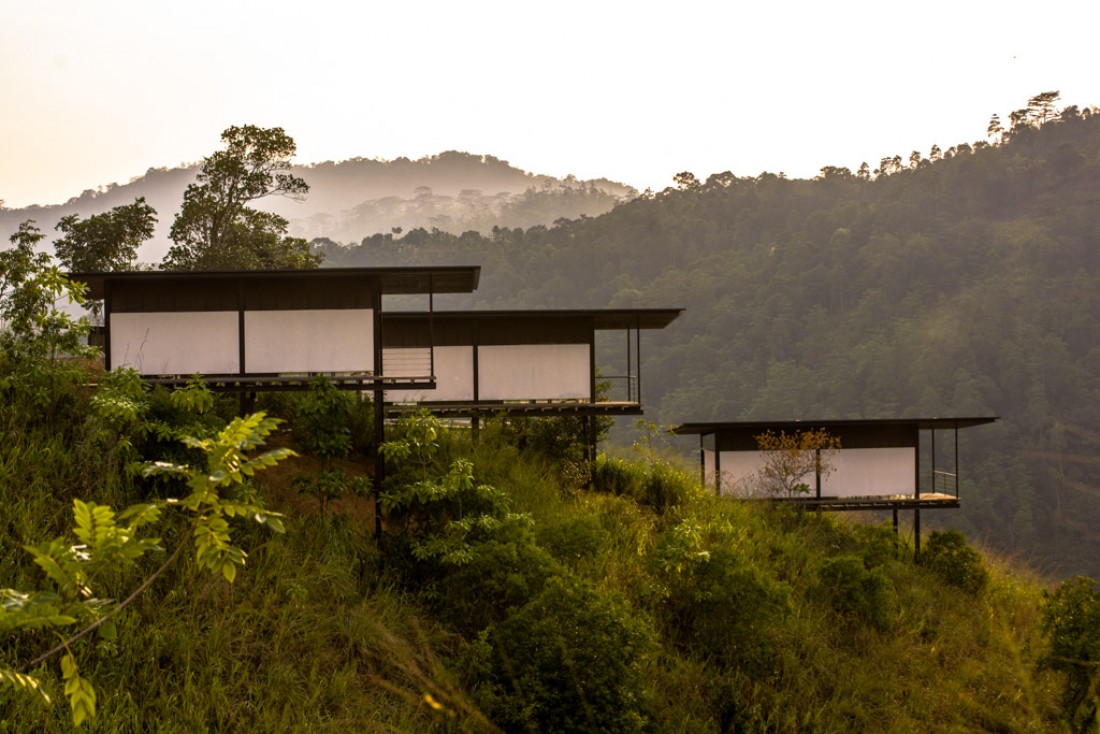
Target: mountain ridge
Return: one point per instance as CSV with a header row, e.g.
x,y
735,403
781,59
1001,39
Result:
x,y
359,197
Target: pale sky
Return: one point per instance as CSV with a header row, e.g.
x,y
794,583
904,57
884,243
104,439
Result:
x,y
98,92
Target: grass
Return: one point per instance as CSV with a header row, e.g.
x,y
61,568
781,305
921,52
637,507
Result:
x,y
316,634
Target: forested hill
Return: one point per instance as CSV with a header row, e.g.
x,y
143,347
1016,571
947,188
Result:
x,y
963,283
351,199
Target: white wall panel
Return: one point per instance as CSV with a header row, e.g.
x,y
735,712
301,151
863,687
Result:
x,y
534,372
454,373
857,472
871,473
316,340
708,467
180,343
739,471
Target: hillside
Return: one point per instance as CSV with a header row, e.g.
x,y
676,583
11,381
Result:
x,y
964,283
502,596
350,200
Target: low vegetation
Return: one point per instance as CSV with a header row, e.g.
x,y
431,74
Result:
x,y
501,595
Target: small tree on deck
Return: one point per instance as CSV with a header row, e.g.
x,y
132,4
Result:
x,y
789,458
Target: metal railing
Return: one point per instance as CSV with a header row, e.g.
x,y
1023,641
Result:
x,y
621,388
407,361
944,482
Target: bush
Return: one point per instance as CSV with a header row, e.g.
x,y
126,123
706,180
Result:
x,y
502,576
948,556
616,476
723,609
574,540
855,591
570,661
658,486
1071,621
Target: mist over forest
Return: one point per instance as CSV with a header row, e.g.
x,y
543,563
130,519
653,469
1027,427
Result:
x,y
348,200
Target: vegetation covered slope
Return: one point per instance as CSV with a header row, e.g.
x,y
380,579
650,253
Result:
x,y
502,595
962,283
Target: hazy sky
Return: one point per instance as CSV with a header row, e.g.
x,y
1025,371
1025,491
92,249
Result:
x,y
98,92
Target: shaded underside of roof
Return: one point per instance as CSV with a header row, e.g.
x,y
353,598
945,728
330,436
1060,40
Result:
x,y
392,280
490,409
602,319
834,425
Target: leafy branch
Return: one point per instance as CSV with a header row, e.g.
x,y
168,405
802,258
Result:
x,y
106,543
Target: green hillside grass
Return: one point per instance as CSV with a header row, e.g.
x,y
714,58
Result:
x,y
641,604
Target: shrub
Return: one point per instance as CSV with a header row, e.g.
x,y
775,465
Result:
x,y
723,609
658,485
616,476
855,591
948,556
1071,621
502,575
575,539
570,661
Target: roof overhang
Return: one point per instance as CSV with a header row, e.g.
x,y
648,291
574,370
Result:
x,y
602,319
392,280
834,425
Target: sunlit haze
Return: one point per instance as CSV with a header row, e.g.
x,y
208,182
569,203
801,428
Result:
x,y
97,93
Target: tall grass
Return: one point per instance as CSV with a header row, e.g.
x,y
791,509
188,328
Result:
x,y
317,635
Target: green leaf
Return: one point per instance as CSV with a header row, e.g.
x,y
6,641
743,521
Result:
x,y
14,679
108,630
81,694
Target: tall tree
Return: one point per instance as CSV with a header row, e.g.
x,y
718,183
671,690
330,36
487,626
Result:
x,y
105,242
216,229
33,324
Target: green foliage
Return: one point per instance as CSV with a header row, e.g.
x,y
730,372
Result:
x,y
105,242
856,591
322,419
571,660
322,426
574,540
32,326
948,556
329,630
144,422
1071,623
718,606
107,548
656,485
216,229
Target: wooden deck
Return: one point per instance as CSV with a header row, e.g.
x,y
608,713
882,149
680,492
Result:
x,y
473,409
929,500
269,383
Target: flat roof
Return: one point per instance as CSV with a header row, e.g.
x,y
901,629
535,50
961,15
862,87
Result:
x,y
394,280
838,425
603,318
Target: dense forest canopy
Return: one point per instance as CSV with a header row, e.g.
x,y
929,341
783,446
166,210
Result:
x,y
958,283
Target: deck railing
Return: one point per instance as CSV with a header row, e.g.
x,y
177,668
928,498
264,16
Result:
x,y
944,482
407,361
622,388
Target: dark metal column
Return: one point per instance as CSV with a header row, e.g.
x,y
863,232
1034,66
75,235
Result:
x,y
379,411
638,354
916,493
107,325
